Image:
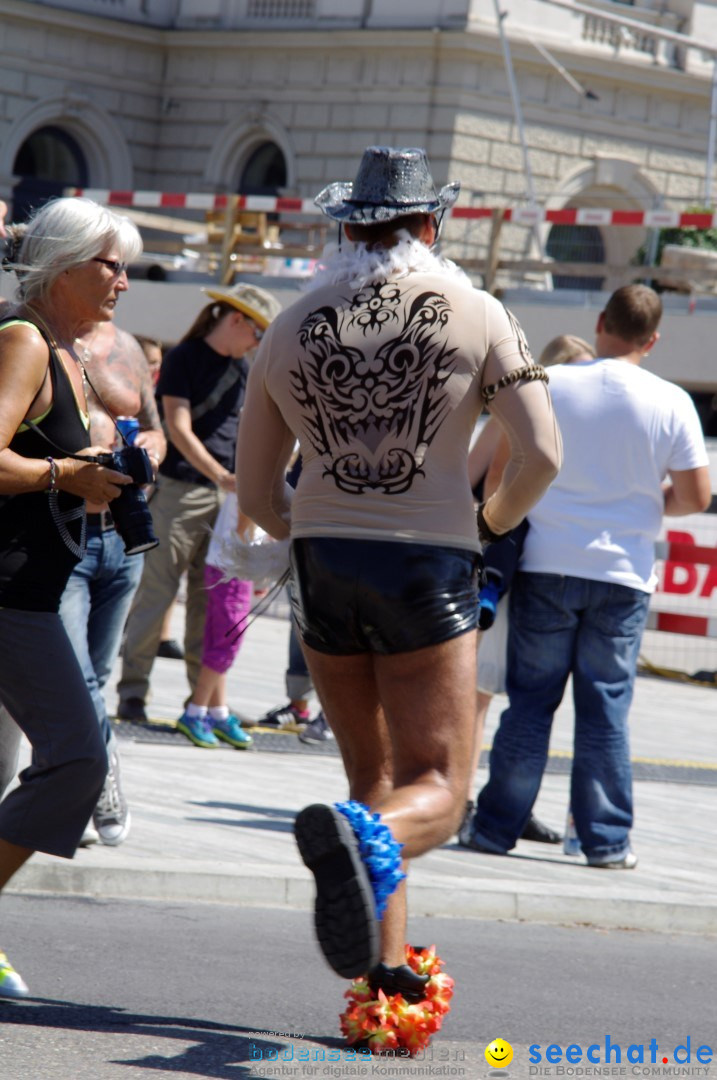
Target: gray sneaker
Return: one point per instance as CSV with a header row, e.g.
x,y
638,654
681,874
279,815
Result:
x,y
629,862
90,836
465,829
111,816
317,731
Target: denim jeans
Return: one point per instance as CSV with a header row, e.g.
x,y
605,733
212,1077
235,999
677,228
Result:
x,y
298,680
94,608
561,626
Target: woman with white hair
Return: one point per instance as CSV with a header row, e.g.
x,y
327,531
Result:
x,y
71,262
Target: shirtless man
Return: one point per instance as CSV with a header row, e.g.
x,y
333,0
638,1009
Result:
x,y
98,595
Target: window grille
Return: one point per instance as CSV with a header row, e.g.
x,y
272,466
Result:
x,y
281,9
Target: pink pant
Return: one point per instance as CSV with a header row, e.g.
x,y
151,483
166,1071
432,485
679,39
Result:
x,y
227,605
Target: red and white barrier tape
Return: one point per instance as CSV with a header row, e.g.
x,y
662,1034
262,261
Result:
x,y
519,215
685,553
672,623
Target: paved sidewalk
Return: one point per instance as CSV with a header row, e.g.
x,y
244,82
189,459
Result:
x,y
217,825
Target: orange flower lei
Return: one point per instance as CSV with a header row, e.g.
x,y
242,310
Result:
x,y
387,1022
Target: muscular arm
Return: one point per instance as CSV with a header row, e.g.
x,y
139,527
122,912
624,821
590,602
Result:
x,y
483,451
525,413
150,436
264,447
688,492
178,415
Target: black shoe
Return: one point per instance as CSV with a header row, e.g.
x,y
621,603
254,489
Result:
x,y
170,650
345,910
538,832
398,980
132,708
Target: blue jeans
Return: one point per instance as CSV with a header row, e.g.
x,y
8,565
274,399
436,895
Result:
x,y
298,679
94,609
561,626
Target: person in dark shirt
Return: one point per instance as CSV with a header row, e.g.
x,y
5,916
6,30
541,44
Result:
x,y
70,261
200,393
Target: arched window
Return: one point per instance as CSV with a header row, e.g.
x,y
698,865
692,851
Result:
x,y
47,162
264,172
579,244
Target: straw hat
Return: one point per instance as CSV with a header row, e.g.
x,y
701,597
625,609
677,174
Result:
x,y
390,183
257,303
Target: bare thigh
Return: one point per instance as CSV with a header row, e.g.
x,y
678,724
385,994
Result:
x,y
405,725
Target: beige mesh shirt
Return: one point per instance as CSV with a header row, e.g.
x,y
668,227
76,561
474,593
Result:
x,y
381,384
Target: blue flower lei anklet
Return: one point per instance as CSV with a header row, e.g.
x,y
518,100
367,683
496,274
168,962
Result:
x,y
380,853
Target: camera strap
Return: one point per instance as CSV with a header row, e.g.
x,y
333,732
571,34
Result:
x,y
62,518
259,608
228,380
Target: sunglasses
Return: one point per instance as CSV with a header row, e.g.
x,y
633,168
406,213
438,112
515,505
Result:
x,y
117,268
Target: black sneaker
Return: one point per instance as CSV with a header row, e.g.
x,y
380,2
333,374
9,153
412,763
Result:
x,y
170,650
539,832
318,731
285,718
132,708
345,918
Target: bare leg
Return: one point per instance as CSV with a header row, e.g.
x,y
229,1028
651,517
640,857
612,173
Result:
x,y
405,727
219,693
210,688
12,858
482,705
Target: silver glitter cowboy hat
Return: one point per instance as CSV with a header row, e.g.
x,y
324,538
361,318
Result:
x,y
389,183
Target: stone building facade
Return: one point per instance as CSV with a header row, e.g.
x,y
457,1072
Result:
x,y
282,95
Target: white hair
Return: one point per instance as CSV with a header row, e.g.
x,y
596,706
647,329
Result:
x,y
65,233
356,264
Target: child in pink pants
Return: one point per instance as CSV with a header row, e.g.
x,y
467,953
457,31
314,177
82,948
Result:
x,y
206,718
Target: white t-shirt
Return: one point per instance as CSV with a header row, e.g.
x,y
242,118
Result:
x,y
623,430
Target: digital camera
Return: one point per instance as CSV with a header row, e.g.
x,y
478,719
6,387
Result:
x,y
129,510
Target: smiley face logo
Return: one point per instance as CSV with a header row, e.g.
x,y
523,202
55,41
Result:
x,y
499,1053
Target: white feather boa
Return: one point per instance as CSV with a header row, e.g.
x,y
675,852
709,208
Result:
x,y
355,264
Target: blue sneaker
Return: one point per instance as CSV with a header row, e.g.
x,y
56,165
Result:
x,y
198,730
231,731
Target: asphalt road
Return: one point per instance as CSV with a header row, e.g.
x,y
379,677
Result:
x,y
137,989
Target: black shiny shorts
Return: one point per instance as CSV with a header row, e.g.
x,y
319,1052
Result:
x,y
355,596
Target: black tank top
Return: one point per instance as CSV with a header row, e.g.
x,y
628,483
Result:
x,y
35,561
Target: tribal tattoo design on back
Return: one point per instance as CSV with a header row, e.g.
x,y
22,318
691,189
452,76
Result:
x,y
372,412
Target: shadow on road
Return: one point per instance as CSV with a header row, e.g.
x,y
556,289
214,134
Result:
x,y
222,1051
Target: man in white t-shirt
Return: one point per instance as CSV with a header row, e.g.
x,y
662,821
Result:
x,y
633,452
